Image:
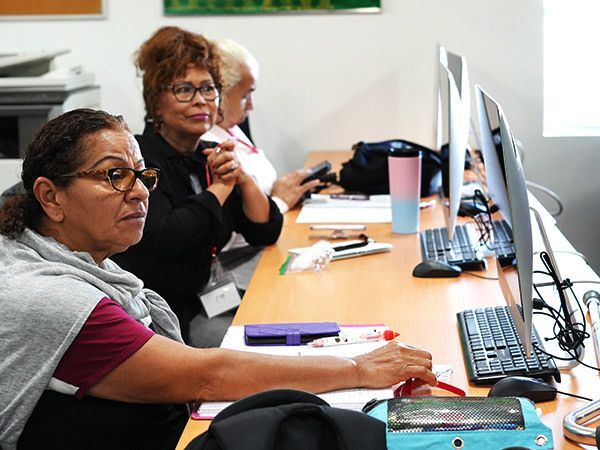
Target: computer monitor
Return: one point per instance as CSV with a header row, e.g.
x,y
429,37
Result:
x,y
491,165
506,186
452,119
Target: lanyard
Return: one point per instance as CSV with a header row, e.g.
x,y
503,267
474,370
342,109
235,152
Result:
x,y
406,388
207,174
251,147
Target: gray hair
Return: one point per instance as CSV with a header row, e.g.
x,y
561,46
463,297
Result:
x,y
233,56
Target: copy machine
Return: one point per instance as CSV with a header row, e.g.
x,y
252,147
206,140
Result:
x,y
32,92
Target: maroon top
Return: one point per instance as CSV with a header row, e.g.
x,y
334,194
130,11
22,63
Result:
x,y
108,337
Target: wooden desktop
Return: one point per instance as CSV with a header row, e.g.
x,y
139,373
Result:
x,y
380,288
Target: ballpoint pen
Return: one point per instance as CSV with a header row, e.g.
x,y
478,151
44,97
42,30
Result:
x,y
347,196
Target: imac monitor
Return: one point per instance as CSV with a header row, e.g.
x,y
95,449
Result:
x,y
506,186
453,122
492,175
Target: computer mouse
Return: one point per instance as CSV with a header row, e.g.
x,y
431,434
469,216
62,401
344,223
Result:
x,y
436,269
532,388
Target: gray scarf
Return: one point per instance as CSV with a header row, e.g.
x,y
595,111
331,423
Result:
x,y
144,305
47,292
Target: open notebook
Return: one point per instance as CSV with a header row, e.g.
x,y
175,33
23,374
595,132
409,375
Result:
x,y
353,399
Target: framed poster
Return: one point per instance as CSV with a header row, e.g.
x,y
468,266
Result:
x,y
52,9
188,7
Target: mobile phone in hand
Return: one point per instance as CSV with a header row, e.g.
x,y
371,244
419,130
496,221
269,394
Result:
x,y
317,171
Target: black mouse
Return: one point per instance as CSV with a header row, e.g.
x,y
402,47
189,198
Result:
x,y
532,388
435,269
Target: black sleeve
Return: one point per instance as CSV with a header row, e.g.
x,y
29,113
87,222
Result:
x,y
172,229
255,233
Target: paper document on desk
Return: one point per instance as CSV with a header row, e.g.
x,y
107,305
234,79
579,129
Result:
x,y
324,209
353,399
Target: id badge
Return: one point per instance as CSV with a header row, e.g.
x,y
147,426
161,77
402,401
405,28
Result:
x,y
220,294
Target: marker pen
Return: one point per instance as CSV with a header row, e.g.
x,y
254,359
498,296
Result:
x,y
386,335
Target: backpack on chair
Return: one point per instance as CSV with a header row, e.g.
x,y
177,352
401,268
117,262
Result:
x,y
290,420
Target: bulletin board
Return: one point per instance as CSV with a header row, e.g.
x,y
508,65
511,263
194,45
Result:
x,y
190,7
52,9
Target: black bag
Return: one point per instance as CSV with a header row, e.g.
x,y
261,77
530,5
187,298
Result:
x,y
290,420
367,170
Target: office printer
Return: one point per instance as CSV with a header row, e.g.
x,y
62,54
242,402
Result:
x,y
32,92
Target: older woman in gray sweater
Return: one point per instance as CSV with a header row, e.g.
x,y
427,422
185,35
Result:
x,y
91,359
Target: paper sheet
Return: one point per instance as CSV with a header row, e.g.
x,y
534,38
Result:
x,y
324,209
353,399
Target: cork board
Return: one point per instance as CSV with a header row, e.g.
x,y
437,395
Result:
x,y
49,9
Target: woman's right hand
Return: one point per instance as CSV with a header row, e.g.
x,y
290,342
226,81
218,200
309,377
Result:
x,y
290,189
393,363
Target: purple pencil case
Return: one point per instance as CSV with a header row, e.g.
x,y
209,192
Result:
x,y
288,333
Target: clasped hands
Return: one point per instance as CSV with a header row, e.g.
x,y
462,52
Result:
x,y
224,164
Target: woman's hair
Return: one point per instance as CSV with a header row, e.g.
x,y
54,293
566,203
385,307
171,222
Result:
x,y
59,148
166,56
232,56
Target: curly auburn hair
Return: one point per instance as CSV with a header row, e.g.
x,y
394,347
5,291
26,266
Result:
x,y
57,149
166,56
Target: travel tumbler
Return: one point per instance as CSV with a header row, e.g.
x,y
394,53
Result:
x,y
404,168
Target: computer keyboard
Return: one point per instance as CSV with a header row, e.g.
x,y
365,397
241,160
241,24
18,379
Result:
x,y
503,242
461,251
492,348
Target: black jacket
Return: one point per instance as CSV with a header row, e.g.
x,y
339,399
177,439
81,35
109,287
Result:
x,y
173,258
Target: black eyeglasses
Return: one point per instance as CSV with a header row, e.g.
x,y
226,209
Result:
x,y
185,92
123,179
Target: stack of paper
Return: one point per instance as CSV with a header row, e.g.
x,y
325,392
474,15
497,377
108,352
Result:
x,y
324,209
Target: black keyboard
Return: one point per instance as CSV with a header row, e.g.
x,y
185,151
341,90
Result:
x,y
503,242
461,251
492,349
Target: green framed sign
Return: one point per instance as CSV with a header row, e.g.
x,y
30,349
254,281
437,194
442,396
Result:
x,y
189,7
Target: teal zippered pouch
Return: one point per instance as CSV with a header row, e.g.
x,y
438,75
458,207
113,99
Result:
x,y
474,423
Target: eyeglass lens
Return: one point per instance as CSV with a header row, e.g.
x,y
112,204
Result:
x,y
123,179
185,92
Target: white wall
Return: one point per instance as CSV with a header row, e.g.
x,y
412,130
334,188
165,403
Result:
x,y
328,81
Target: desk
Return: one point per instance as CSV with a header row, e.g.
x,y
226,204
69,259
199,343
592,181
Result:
x,y
380,289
